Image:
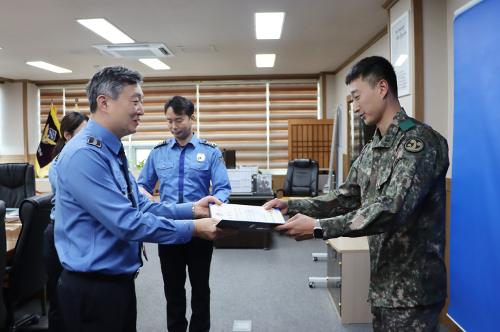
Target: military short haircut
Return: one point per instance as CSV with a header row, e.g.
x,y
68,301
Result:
x,y
373,69
180,106
110,81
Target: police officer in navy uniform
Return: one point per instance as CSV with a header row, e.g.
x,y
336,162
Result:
x,y
185,167
102,218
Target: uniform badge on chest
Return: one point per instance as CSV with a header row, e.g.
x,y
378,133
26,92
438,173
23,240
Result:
x,y
200,157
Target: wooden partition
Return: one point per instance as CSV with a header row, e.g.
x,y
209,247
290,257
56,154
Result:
x,y
310,139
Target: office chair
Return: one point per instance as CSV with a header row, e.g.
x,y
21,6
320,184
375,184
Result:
x,y
26,273
17,182
301,178
3,254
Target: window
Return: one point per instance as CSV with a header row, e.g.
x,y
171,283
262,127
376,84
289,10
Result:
x,y
250,117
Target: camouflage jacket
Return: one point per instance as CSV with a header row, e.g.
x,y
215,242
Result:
x,y
395,194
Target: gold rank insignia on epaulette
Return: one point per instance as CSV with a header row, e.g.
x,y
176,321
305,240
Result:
x,y
212,144
165,142
94,141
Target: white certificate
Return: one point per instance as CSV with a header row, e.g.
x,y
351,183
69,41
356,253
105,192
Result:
x,y
246,216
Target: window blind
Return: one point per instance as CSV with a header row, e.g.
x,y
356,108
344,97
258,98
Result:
x,y
250,117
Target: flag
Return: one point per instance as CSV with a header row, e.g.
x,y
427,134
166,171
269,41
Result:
x,y
50,135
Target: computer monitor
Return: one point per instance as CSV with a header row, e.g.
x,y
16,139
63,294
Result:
x,y
229,158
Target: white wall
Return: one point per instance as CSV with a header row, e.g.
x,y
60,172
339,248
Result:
x,y
435,55
337,92
330,96
11,119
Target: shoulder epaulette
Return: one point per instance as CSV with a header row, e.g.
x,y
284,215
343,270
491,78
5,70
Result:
x,y
212,144
406,125
91,140
165,142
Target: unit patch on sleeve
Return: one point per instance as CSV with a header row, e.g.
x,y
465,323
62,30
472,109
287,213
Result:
x,y
414,145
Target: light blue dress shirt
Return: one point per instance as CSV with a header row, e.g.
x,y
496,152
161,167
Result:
x,y
185,173
53,185
98,229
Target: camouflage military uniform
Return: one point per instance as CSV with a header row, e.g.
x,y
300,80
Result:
x,y
395,194
414,319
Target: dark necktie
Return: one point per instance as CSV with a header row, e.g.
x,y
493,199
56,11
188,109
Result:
x,y
182,158
124,167
130,195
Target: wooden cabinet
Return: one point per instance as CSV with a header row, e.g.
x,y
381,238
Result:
x,y
348,272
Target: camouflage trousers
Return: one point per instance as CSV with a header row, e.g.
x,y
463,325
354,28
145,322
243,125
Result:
x,y
414,319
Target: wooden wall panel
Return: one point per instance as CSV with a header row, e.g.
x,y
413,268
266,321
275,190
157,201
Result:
x,y
310,139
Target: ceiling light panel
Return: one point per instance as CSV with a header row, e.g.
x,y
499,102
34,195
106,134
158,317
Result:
x,y
265,60
269,25
49,67
106,30
155,64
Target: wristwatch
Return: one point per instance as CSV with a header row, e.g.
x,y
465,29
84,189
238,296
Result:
x,y
318,230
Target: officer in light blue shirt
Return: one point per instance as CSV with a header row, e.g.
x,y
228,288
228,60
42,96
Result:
x,y
185,167
71,124
102,218
185,173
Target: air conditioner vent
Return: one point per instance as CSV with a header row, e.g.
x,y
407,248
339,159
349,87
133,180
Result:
x,y
135,50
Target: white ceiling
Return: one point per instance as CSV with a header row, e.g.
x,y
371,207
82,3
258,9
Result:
x,y
318,35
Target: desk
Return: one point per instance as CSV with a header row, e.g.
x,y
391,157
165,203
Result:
x,y
248,239
349,262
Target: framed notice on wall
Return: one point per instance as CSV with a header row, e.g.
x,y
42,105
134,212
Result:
x,y
400,53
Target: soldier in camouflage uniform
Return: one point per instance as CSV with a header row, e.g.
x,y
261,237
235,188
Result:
x,y
395,195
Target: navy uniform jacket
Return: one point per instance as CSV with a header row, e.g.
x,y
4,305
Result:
x,y
98,229
185,177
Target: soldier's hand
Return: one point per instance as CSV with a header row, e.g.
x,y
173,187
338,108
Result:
x,y
145,193
201,209
207,229
278,204
300,227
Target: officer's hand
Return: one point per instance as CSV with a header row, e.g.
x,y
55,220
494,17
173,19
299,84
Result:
x,y
201,209
277,203
145,193
300,227
207,229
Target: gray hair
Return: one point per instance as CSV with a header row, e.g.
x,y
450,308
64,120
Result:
x,y
110,81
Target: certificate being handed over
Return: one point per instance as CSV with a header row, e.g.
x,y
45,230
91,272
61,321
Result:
x,y
246,216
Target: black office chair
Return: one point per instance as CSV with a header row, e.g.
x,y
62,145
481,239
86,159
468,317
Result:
x,y
17,182
26,273
301,178
3,254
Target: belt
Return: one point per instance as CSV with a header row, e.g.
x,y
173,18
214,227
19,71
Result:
x,y
105,277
